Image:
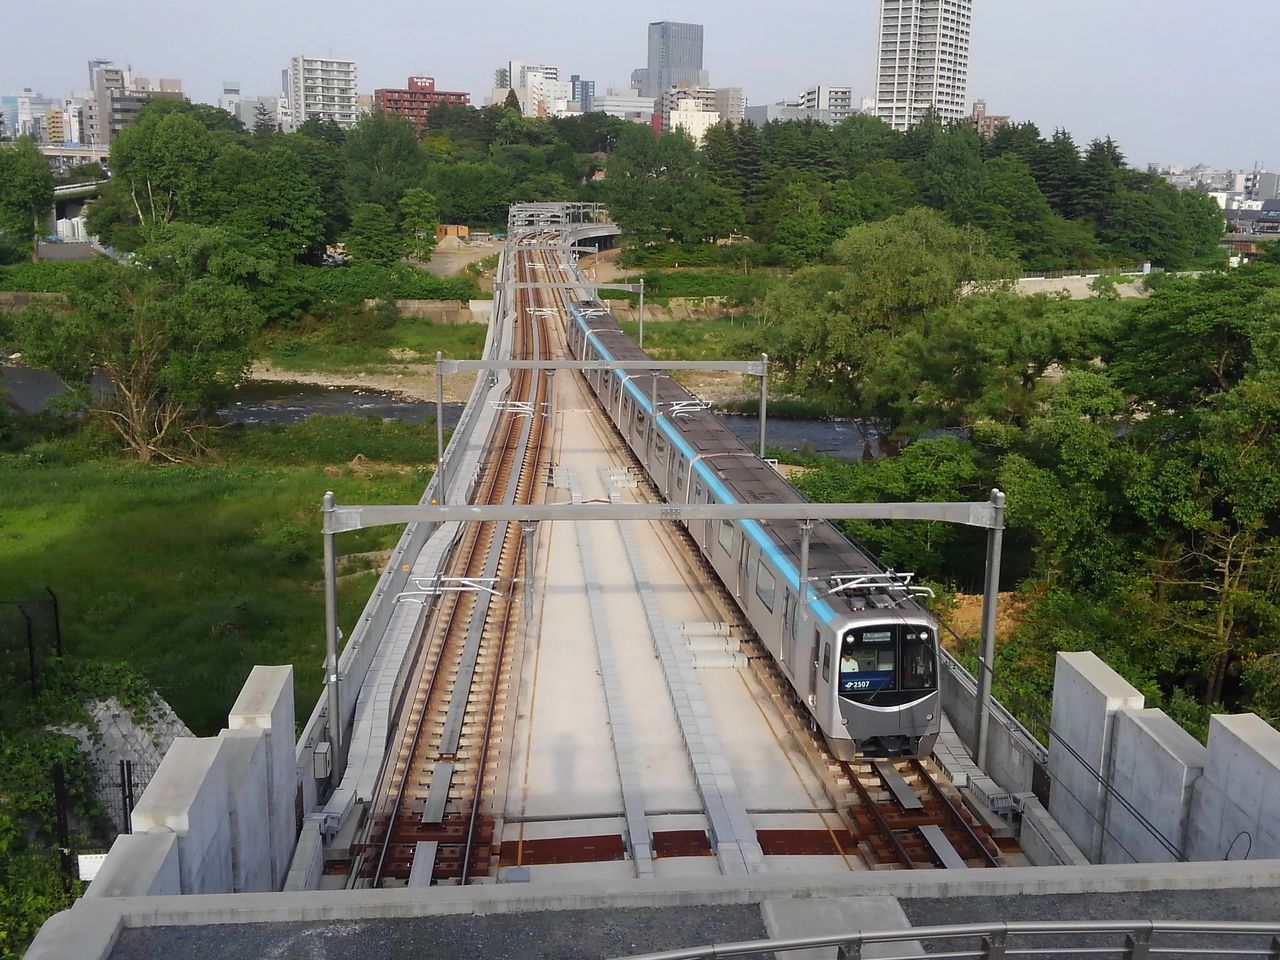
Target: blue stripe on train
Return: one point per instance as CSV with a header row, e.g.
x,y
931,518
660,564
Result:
x,y
788,570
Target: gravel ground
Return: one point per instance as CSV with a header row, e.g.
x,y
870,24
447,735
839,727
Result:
x,y
569,935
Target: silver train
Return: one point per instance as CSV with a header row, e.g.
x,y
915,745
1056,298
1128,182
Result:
x,y
864,661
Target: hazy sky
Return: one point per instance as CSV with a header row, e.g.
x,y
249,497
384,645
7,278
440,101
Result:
x,y
1158,75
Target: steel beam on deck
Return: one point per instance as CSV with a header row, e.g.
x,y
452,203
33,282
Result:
x,y
558,285
341,519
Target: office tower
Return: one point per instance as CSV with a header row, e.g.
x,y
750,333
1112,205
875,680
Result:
x,y
324,88
836,101
923,60
675,58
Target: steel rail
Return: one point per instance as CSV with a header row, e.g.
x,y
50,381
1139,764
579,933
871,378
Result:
x,y
956,816
899,850
536,336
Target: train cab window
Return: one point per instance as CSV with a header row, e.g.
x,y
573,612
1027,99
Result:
x,y
919,664
726,536
765,585
868,659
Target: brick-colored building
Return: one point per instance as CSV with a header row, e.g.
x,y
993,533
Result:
x,y
416,99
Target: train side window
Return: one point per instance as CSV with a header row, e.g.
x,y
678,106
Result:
x,y
680,468
660,445
640,419
826,662
697,492
765,585
726,536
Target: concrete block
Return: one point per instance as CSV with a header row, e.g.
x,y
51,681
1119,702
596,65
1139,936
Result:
x,y
1233,805
308,861
1154,765
139,865
266,703
1086,695
78,934
188,797
1044,842
245,754
790,919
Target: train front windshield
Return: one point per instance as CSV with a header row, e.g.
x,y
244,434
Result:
x,y
887,657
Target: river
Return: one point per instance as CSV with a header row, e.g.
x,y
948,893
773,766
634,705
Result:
x,y
282,403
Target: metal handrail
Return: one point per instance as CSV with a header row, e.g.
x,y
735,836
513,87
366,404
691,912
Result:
x,y
993,940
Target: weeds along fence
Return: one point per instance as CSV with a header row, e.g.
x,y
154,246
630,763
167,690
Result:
x,y
30,637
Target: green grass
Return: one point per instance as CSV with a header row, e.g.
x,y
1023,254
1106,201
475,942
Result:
x,y
735,286
723,338
191,574
362,340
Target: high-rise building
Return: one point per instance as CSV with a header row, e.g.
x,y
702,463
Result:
x,y
923,61
419,96
323,88
675,58
582,92
836,101
116,98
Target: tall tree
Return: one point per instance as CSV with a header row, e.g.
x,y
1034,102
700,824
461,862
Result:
x,y
163,164
169,346
373,235
264,124
419,219
26,193
383,161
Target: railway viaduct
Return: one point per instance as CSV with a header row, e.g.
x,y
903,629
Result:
x,y
557,739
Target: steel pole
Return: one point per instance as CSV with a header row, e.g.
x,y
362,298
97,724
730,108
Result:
x,y
440,487
990,600
641,314
331,642
806,528
530,530
764,399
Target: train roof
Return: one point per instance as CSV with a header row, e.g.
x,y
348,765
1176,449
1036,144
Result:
x,y
857,578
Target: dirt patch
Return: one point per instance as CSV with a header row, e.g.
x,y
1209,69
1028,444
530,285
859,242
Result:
x,y
603,267
449,260
792,470
965,618
416,381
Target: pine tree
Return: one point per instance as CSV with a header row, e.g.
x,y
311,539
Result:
x,y
264,124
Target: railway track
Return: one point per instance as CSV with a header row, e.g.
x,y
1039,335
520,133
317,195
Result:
x,y
431,822
897,813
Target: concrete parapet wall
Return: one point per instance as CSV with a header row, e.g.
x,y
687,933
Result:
x,y
1234,806
447,312
1011,754
1086,695
1154,763
1044,842
139,865
245,755
308,859
189,797
266,703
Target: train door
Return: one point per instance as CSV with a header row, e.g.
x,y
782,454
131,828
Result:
x,y
786,643
744,566
813,670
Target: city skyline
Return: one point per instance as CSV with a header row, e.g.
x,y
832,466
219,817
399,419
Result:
x,y
1110,69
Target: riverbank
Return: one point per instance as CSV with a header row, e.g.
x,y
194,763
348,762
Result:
x,y
413,381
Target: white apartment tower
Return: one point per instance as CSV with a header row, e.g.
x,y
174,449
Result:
x,y
923,60
322,87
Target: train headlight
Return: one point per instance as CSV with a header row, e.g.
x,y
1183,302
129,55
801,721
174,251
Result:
x,y
928,716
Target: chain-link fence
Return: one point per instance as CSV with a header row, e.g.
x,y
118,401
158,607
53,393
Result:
x,y
118,785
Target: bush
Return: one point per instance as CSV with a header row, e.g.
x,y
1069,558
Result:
x,y
45,276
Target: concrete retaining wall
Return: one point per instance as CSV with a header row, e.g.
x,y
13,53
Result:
x,y
217,816
1154,763
1169,797
437,311
1234,805
1086,695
